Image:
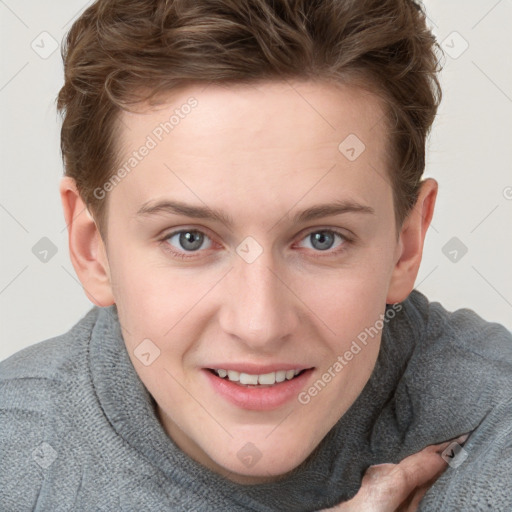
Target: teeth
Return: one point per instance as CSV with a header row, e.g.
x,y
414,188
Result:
x,y
280,375
266,379
245,378
234,376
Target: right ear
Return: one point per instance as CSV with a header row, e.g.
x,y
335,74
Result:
x,y
86,247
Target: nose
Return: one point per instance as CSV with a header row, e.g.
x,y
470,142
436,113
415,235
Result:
x,y
260,310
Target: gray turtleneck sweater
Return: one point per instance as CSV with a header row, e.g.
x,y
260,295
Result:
x,y
78,430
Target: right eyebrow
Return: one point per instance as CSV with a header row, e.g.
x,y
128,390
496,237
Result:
x,y
203,212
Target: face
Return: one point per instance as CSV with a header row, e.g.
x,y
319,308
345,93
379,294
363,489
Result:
x,y
245,239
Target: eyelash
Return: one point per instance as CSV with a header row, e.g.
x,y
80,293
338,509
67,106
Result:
x,y
346,241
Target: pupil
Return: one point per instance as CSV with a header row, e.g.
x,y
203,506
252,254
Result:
x,y
191,240
324,238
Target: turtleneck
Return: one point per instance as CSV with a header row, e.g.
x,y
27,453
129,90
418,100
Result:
x,y
438,375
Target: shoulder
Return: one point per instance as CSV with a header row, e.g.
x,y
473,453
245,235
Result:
x,y
36,385
51,358
34,380
463,326
458,371
479,477
457,332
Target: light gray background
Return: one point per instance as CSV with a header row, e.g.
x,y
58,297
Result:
x,y
469,154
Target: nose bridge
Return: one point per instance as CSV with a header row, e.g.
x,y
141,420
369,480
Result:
x,y
259,310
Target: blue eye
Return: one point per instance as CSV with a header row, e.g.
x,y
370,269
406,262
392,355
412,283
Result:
x,y
323,240
188,240
189,243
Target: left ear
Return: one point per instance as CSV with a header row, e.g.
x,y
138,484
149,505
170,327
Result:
x,y
410,244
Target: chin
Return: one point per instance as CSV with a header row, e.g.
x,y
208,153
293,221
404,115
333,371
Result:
x,y
261,461
259,474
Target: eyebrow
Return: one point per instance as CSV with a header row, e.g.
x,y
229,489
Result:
x,y
203,212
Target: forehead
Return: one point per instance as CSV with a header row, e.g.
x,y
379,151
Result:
x,y
271,140
290,110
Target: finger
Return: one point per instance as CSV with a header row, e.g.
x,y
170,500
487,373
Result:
x,y
416,498
387,486
380,489
419,468
413,501
421,479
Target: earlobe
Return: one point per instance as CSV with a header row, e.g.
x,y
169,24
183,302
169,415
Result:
x,y
86,248
410,244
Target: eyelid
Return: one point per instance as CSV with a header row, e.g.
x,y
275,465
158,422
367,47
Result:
x,y
167,233
166,236
345,233
347,240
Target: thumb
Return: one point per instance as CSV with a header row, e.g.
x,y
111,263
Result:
x,y
386,486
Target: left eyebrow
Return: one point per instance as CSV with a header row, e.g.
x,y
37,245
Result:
x,y
330,209
203,212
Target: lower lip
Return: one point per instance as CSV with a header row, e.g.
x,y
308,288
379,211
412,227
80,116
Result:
x,y
259,398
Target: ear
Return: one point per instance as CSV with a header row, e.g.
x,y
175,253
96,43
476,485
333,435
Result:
x,y
86,248
410,244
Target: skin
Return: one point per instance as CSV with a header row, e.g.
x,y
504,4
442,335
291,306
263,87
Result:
x,y
260,153
398,487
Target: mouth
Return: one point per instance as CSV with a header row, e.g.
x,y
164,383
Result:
x,y
258,391
257,380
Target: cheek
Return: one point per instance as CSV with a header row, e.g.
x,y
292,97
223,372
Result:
x,y
157,302
348,299
152,297
144,292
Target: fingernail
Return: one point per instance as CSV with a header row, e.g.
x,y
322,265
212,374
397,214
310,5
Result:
x,y
462,438
439,448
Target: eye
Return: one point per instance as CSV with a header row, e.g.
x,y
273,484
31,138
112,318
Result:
x,y
324,239
186,240
188,243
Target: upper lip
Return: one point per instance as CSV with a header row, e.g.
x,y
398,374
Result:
x,y
257,369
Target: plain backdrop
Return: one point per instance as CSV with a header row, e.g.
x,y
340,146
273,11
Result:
x,y
468,255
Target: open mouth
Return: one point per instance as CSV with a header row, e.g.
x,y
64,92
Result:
x,y
259,391
261,380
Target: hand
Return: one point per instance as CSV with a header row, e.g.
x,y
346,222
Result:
x,y
398,487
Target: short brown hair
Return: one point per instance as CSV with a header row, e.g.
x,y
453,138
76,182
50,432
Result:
x,y
118,48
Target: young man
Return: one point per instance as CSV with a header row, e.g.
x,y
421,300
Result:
x,y
245,208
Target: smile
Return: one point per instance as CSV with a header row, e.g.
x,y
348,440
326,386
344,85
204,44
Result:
x,y
265,379
258,391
